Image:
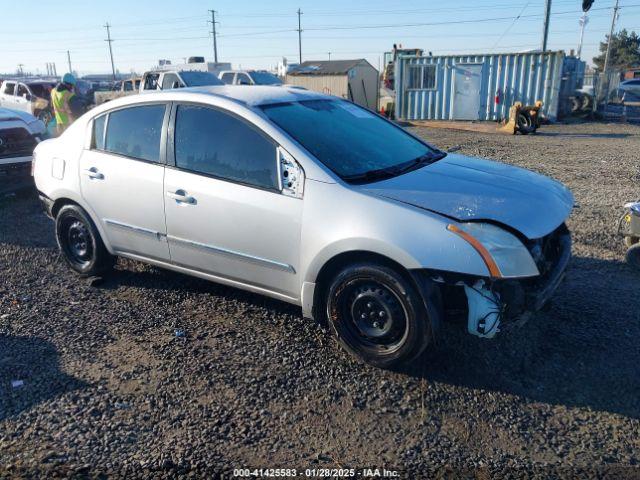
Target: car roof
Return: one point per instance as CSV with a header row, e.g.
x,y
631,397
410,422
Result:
x,y
249,95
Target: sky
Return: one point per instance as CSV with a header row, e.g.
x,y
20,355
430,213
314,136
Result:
x,y
257,34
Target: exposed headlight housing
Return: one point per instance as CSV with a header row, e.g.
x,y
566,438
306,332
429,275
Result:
x,y
502,252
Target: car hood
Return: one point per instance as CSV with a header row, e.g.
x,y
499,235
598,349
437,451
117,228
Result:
x,y
12,115
467,188
17,119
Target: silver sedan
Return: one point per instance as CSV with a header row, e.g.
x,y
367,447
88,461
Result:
x,y
312,200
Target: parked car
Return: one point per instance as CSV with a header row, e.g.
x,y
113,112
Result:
x,y
249,77
20,132
632,86
130,86
33,97
169,79
312,200
623,104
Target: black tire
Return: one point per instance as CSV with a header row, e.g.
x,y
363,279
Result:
x,y
525,123
45,116
80,242
633,256
377,315
576,104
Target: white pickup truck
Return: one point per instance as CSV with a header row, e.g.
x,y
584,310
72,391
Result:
x,y
130,86
168,79
33,97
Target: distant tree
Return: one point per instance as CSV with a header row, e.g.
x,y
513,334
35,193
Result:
x,y
625,51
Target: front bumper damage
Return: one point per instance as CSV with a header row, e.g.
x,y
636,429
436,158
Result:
x,y
488,303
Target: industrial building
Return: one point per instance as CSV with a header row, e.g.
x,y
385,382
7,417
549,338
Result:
x,y
484,86
355,80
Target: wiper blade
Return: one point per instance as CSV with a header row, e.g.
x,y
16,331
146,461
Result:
x,y
369,176
418,162
389,172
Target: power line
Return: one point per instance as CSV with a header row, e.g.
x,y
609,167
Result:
x,y
511,26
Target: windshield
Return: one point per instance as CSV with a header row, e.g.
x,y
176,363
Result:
x,y
41,90
199,79
355,143
265,78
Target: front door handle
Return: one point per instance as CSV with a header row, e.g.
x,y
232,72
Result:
x,y
94,173
181,196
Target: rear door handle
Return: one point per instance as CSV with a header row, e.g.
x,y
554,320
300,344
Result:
x,y
94,173
181,196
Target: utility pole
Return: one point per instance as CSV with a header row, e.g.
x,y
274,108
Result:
x,y
608,54
329,55
69,61
113,68
213,32
20,70
583,23
299,36
545,35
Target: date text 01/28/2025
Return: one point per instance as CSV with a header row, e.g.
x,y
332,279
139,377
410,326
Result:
x,y
316,473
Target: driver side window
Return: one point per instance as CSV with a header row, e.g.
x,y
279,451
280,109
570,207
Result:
x,y
220,144
22,90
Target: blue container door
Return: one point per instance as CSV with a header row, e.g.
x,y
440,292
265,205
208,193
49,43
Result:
x,y
466,100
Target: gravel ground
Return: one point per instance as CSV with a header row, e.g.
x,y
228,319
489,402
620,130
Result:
x,y
111,390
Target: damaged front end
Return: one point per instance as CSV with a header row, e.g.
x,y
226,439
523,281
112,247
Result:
x,y
490,302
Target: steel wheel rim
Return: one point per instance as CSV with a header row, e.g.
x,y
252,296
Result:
x,y
78,241
372,314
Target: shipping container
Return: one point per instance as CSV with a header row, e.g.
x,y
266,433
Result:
x,y
484,86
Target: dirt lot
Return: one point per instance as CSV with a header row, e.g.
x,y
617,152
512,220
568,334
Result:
x,y
110,389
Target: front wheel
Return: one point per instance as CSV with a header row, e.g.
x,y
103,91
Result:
x,y
80,242
378,315
633,255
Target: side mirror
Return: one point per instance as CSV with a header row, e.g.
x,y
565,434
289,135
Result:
x,y
291,175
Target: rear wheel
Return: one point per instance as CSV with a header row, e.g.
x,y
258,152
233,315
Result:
x,y
377,314
80,242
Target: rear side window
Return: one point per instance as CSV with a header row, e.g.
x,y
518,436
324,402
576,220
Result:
x,y
216,143
9,88
151,81
98,132
135,132
227,78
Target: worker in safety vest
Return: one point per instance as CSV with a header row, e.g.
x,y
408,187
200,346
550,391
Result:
x,y
67,106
